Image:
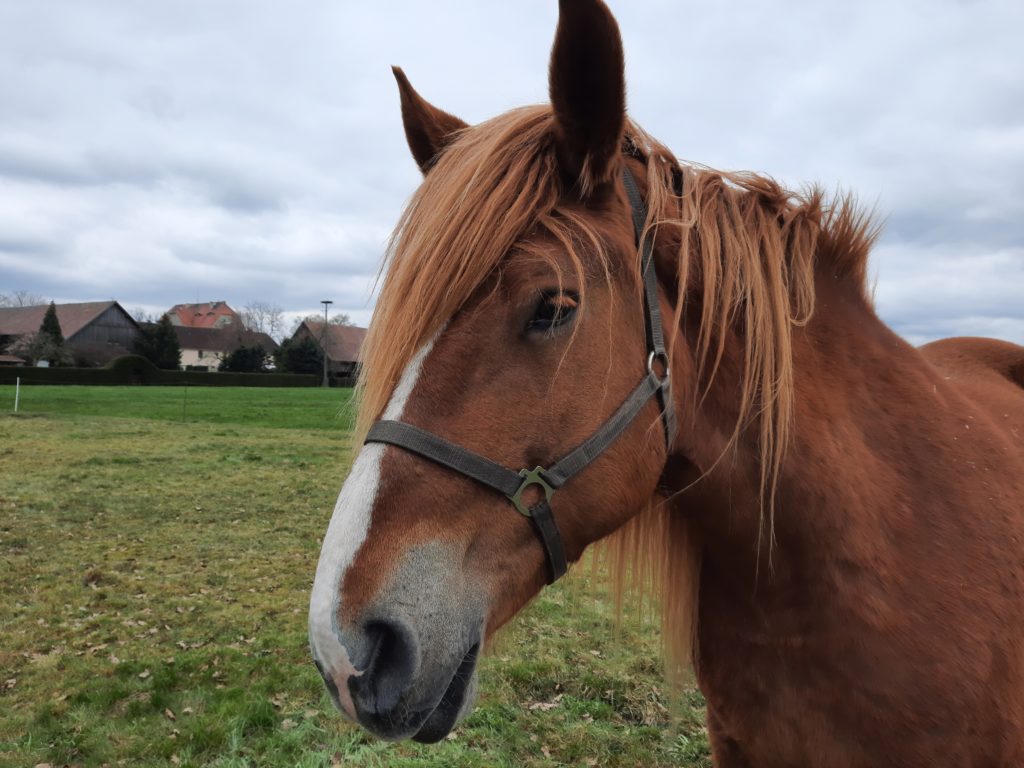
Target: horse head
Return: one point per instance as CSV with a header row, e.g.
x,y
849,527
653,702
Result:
x,y
511,324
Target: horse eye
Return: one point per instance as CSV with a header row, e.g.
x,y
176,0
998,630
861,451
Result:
x,y
554,308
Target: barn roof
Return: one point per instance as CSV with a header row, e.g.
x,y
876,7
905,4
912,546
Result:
x,y
17,321
221,339
343,343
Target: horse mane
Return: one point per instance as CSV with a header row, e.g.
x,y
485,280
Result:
x,y
491,185
746,251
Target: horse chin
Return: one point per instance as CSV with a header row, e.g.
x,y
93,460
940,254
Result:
x,y
455,704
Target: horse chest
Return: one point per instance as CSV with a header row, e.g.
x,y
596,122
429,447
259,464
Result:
x,y
814,684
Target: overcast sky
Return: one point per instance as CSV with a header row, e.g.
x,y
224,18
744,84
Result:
x,y
158,153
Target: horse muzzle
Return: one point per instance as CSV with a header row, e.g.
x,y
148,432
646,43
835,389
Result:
x,y
405,666
399,694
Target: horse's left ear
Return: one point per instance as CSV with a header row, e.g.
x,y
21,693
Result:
x,y
588,92
427,128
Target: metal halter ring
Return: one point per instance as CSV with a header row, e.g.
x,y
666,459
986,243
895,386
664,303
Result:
x,y
530,477
662,357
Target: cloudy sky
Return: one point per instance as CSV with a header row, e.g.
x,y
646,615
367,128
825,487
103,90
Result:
x,y
158,152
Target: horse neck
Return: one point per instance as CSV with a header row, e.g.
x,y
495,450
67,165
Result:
x,y
849,369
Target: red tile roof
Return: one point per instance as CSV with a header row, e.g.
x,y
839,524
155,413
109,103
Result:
x,y
16,321
210,314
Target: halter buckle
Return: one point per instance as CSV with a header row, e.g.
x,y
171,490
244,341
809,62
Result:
x,y
530,477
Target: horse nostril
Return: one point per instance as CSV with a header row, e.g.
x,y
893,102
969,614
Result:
x,y
390,669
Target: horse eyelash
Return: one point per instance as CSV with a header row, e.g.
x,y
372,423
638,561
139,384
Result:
x,y
562,300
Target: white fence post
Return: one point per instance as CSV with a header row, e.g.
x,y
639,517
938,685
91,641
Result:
x,y
17,392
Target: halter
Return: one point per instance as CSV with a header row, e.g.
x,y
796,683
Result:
x,y
549,479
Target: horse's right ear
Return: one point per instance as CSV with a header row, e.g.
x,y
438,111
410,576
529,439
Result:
x,y
427,128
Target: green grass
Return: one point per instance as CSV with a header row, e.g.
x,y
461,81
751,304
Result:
x,y
292,408
155,578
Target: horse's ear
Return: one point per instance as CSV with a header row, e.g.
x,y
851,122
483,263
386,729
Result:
x,y
427,128
588,92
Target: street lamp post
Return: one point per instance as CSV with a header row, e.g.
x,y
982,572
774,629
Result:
x,y
323,340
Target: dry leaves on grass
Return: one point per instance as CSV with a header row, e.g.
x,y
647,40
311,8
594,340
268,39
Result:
x,y
545,706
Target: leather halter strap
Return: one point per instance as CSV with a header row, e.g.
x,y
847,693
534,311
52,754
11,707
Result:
x,y
549,479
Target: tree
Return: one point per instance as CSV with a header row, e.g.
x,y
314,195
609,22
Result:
x,y
263,317
299,356
48,342
21,299
159,345
21,345
39,346
245,360
140,315
51,325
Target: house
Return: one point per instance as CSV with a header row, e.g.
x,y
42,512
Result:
x,y
96,331
343,345
211,314
206,347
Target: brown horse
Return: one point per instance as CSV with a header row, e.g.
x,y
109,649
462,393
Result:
x,y
837,524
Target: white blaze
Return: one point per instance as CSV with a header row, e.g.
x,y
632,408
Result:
x,y
345,535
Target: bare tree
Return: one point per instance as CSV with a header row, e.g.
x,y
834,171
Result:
x,y
21,299
36,346
142,316
23,346
264,317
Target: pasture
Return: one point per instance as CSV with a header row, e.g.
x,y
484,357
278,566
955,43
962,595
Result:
x,y
157,556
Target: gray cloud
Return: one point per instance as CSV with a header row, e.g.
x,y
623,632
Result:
x,y
250,150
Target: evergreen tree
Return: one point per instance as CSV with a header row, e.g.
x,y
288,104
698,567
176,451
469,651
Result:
x,y
143,344
245,360
48,343
299,356
51,326
168,348
159,345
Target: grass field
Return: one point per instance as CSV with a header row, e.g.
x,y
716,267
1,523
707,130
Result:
x,y
155,576
294,408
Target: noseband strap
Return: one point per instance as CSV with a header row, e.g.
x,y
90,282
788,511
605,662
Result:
x,y
549,479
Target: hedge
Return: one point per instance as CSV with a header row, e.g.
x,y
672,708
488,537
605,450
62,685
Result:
x,y
133,369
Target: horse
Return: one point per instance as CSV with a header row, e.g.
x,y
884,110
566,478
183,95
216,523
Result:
x,y
831,518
